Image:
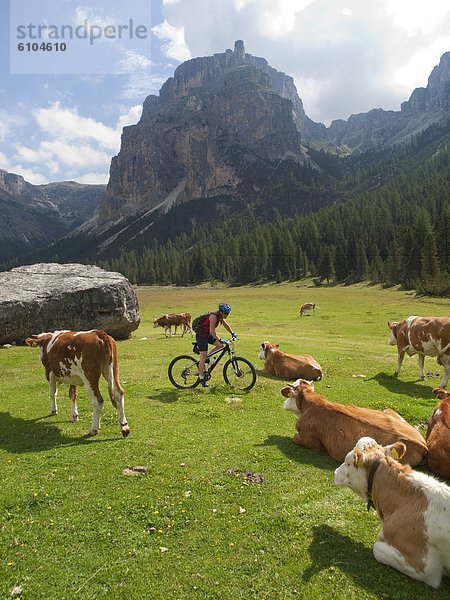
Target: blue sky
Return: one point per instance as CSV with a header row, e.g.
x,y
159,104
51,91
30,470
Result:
x,y
346,56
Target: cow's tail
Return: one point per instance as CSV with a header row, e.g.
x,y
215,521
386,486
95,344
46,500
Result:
x,y
111,373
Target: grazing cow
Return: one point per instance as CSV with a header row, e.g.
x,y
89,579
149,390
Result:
x,y
438,435
304,308
424,336
174,320
335,428
80,358
288,366
413,508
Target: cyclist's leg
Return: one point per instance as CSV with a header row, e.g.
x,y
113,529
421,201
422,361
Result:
x,y
202,343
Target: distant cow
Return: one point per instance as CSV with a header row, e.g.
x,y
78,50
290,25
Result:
x,y
288,366
174,320
335,428
304,308
80,358
413,508
424,336
438,435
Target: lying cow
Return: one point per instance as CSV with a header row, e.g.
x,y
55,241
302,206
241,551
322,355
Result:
x,y
413,508
288,366
80,358
335,428
304,308
170,320
424,336
438,436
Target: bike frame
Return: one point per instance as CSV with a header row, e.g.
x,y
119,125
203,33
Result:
x,y
225,350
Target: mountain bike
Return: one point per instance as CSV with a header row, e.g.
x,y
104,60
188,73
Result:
x,y
237,371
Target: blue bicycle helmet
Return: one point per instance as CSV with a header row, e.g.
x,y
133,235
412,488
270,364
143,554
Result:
x,y
224,308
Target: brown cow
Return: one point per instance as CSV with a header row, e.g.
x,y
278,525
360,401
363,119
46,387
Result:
x,y
413,509
288,366
304,308
174,320
424,336
438,435
80,358
335,428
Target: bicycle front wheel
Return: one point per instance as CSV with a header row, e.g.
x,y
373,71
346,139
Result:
x,y
183,372
239,373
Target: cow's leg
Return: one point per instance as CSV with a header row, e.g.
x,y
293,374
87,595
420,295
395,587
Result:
x,y
401,356
183,330
73,395
308,439
421,361
388,555
444,360
52,388
115,392
93,391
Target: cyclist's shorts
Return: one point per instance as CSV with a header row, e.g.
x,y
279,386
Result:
x,y
202,342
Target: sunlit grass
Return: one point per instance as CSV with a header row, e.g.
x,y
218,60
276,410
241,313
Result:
x,y
73,526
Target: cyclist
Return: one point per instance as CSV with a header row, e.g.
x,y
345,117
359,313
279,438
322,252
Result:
x,y
207,335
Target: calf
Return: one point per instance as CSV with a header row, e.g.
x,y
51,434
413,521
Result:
x,y
304,308
174,320
335,428
413,508
80,358
288,366
424,336
438,436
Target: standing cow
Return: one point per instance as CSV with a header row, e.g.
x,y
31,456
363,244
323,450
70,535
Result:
x,y
304,308
170,320
424,336
80,358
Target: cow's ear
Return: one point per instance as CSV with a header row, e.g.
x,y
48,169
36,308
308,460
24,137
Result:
x,y
440,393
288,391
358,459
277,345
32,341
396,450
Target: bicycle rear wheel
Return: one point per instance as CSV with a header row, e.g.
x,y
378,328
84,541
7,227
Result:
x,y
183,372
239,373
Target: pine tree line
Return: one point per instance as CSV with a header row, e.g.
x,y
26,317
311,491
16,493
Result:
x,y
398,234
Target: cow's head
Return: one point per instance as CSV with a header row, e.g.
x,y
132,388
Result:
x,y
266,347
393,333
41,339
294,395
353,472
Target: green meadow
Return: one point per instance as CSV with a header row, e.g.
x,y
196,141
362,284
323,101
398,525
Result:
x,y
73,526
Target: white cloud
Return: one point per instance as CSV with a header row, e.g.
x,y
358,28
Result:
x,y
133,62
175,45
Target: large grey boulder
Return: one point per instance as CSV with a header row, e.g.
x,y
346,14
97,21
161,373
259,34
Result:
x,y
50,296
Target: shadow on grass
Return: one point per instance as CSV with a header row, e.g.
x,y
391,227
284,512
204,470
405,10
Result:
x,y
299,453
329,548
407,388
35,435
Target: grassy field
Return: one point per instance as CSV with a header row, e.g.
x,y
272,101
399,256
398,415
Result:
x,y
72,526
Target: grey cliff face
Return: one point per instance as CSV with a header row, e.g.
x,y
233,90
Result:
x,y
378,128
181,147
50,297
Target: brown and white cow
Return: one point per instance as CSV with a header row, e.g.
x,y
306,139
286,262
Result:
x,y
80,358
335,428
413,508
170,320
304,308
288,366
438,435
424,336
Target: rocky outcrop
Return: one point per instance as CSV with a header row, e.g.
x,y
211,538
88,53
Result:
x,y
216,115
379,128
36,215
50,296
